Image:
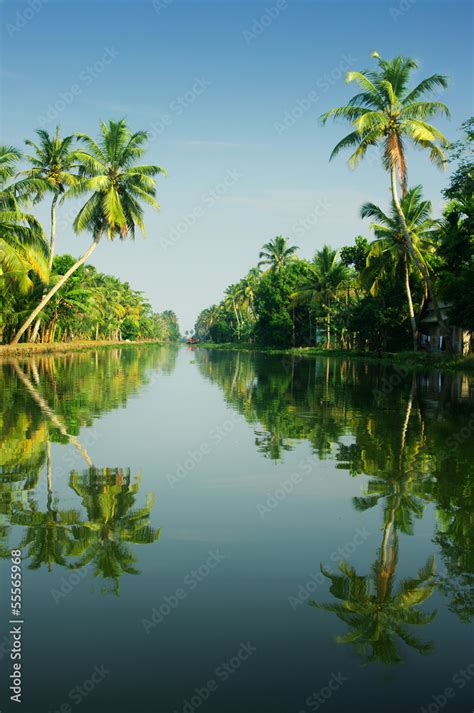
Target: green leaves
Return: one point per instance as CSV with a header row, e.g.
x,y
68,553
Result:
x,y
385,111
118,186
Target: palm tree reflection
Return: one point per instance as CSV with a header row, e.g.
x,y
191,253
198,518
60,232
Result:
x,y
113,522
376,609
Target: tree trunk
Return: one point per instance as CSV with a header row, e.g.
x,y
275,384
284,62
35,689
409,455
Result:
x,y
54,289
410,303
52,241
419,264
52,238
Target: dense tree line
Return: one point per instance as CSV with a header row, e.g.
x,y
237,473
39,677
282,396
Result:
x,y
90,306
370,293
48,297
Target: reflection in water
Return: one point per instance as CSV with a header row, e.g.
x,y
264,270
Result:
x,y
375,611
108,496
403,434
406,436
47,400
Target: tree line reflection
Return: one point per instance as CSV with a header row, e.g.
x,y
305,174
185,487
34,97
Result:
x,y
410,434
48,400
407,435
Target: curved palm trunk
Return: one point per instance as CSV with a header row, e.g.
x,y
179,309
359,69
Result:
x,y
52,241
419,264
49,413
410,303
54,289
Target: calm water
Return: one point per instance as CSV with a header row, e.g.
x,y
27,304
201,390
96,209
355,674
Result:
x,y
231,532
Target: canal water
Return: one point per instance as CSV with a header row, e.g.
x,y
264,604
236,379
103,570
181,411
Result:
x,y
235,532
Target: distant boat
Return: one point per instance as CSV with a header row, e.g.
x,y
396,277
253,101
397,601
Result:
x,y
193,340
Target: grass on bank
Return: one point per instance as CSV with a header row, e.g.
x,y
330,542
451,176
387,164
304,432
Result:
x,y
26,349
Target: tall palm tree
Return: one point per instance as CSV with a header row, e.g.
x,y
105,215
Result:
x,y
52,167
387,111
232,302
327,276
277,253
389,250
119,186
23,248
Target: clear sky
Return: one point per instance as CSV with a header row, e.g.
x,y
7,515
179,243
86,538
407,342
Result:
x,y
230,92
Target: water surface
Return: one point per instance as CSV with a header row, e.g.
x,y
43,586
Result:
x,y
237,532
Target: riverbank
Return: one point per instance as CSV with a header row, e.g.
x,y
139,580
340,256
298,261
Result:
x,y
408,360
27,350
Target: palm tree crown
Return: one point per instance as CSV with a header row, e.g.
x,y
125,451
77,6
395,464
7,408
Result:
x,y
277,253
23,248
387,110
118,185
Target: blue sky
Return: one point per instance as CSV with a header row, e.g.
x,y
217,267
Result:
x,y
230,92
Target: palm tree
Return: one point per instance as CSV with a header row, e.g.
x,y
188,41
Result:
x,y
23,248
232,301
387,111
277,253
51,171
389,250
52,164
108,169
327,277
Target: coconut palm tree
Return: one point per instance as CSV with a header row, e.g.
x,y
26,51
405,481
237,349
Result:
x,y
52,166
387,112
232,302
118,188
389,250
23,247
277,253
328,275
